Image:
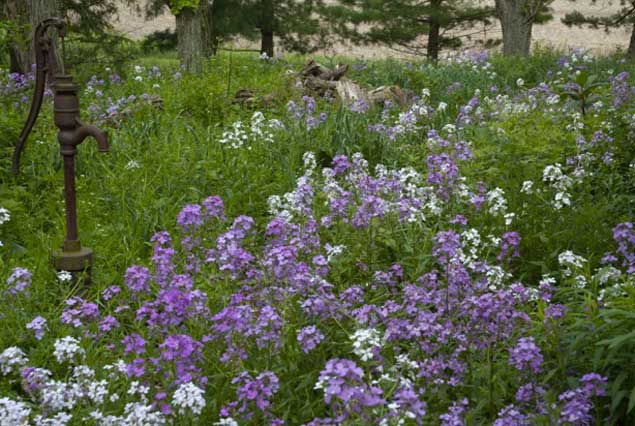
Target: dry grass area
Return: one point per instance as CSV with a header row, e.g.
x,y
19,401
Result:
x,y
553,33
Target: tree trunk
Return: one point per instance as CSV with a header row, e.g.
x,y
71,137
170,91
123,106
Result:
x,y
193,36
40,10
212,37
434,37
516,26
631,46
16,11
266,28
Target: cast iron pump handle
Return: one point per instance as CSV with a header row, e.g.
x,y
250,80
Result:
x,y
46,66
66,102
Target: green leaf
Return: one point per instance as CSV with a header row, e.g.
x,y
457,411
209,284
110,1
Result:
x,y
176,6
631,401
617,341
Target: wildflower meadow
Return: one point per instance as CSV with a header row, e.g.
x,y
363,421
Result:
x,y
463,256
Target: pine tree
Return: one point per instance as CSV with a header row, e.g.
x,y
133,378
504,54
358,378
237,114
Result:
x,y
295,23
402,23
623,18
88,20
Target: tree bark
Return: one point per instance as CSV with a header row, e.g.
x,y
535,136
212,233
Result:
x,y
17,12
631,46
193,36
434,38
40,10
266,28
516,26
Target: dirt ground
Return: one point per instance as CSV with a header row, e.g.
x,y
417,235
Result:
x,y
554,33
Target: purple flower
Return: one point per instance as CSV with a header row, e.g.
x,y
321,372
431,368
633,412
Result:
x,y
38,325
309,337
446,246
455,414
526,355
554,312
510,416
108,323
214,207
19,281
253,393
190,217
110,292
136,368
624,236
576,408
509,246
529,393
409,404
134,343
340,164
593,384
359,106
343,385
137,279
459,219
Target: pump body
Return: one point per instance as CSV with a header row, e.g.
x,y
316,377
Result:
x,y
72,257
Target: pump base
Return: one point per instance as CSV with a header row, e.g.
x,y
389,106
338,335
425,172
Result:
x,y
73,261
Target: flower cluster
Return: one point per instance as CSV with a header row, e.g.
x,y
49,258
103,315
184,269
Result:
x,y
260,130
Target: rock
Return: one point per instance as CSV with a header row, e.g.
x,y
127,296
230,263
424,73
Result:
x,y
244,96
349,92
393,94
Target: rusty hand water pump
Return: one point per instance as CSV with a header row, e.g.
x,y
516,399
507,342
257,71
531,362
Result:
x,y
72,257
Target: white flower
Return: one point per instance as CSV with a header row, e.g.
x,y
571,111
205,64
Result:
x,y
57,395
64,276
580,281
227,421
143,415
520,82
527,187
11,359
132,165
442,106
404,362
67,348
364,341
606,274
332,251
568,260
138,78
309,163
60,419
449,128
497,202
13,413
560,182
4,215
509,218
189,397
138,388
496,276
553,99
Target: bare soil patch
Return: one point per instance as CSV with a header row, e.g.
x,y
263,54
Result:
x,y
553,34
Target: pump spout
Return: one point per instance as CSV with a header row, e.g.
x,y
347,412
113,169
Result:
x,y
100,136
70,138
